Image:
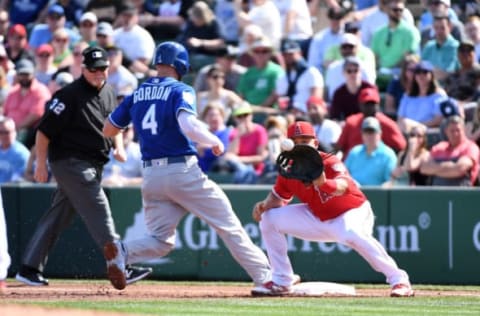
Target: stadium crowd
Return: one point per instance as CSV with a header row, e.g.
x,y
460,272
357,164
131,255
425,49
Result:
x,y
392,89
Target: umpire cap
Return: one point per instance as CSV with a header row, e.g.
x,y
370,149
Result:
x,y
95,57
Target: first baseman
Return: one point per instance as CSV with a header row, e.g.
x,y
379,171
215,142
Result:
x,y
333,209
163,112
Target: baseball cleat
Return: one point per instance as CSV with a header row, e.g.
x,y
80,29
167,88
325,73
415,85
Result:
x,y
270,288
134,274
31,277
402,290
113,253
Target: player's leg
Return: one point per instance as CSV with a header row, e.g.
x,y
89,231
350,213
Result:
x,y
354,229
162,216
4,256
204,198
48,229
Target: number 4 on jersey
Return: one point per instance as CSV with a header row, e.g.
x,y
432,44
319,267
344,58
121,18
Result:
x,y
149,121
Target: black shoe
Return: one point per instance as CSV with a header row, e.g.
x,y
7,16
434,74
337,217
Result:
x,y
31,276
135,274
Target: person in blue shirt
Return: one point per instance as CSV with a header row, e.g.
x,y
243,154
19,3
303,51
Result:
x,y
13,154
372,162
163,112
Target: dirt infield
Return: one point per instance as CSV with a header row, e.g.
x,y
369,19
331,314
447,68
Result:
x,y
102,291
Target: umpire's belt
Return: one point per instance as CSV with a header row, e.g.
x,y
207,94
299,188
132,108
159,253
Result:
x,y
165,161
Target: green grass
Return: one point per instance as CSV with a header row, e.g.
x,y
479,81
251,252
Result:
x,y
358,306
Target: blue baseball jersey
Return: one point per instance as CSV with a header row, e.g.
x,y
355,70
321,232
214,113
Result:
x,y
153,109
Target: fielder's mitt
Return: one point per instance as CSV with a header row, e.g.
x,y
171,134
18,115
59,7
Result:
x,y
302,163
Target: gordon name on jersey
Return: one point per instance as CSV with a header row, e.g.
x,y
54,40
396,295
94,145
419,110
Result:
x,y
146,93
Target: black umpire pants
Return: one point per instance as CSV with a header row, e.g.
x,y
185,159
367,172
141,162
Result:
x,y
78,190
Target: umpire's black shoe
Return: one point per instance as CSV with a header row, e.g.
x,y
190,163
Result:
x,y
134,274
31,276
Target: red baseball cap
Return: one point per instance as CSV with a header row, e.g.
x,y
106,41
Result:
x,y
301,128
44,48
316,101
18,29
369,95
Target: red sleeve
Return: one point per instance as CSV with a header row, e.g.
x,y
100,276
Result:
x,y
281,188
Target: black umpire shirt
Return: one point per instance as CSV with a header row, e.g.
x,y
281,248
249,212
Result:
x,y
73,122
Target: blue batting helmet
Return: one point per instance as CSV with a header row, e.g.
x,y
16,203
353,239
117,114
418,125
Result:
x,y
172,54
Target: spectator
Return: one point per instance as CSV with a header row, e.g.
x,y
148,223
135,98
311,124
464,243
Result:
x,y
202,35
135,42
17,44
216,93
345,97
455,161
13,154
257,84
117,173
399,85
412,157
296,22
62,55
472,128
265,15
391,42
472,28
43,33
463,83
442,50
75,69
300,81
457,30
45,67
436,7
421,104
326,38
118,75
214,116
88,28
276,126
247,149
25,103
326,130
227,60
58,81
369,101
372,162
252,33
104,34
334,77
378,18
362,52
24,14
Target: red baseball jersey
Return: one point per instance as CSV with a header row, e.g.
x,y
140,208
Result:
x,y
323,205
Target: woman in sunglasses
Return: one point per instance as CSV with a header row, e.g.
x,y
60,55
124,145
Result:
x,y
421,104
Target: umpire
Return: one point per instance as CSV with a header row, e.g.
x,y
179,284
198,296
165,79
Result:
x,y
71,133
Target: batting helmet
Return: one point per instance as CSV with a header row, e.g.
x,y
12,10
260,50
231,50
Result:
x,y
172,54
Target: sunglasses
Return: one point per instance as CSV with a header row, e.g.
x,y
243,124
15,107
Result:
x,y
351,71
43,55
87,25
242,116
97,69
55,16
421,72
347,46
397,10
77,54
61,40
217,77
261,51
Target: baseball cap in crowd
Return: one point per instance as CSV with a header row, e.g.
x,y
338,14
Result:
x,y
336,14
56,9
128,8
424,65
316,101
371,124
449,107
104,28
466,45
351,60
263,42
352,27
17,29
44,48
349,39
89,16
301,128
229,52
290,46
445,2
95,57
242,109
25,66
63,78
369,95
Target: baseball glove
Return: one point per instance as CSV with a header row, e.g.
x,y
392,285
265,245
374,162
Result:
x,y
302,163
